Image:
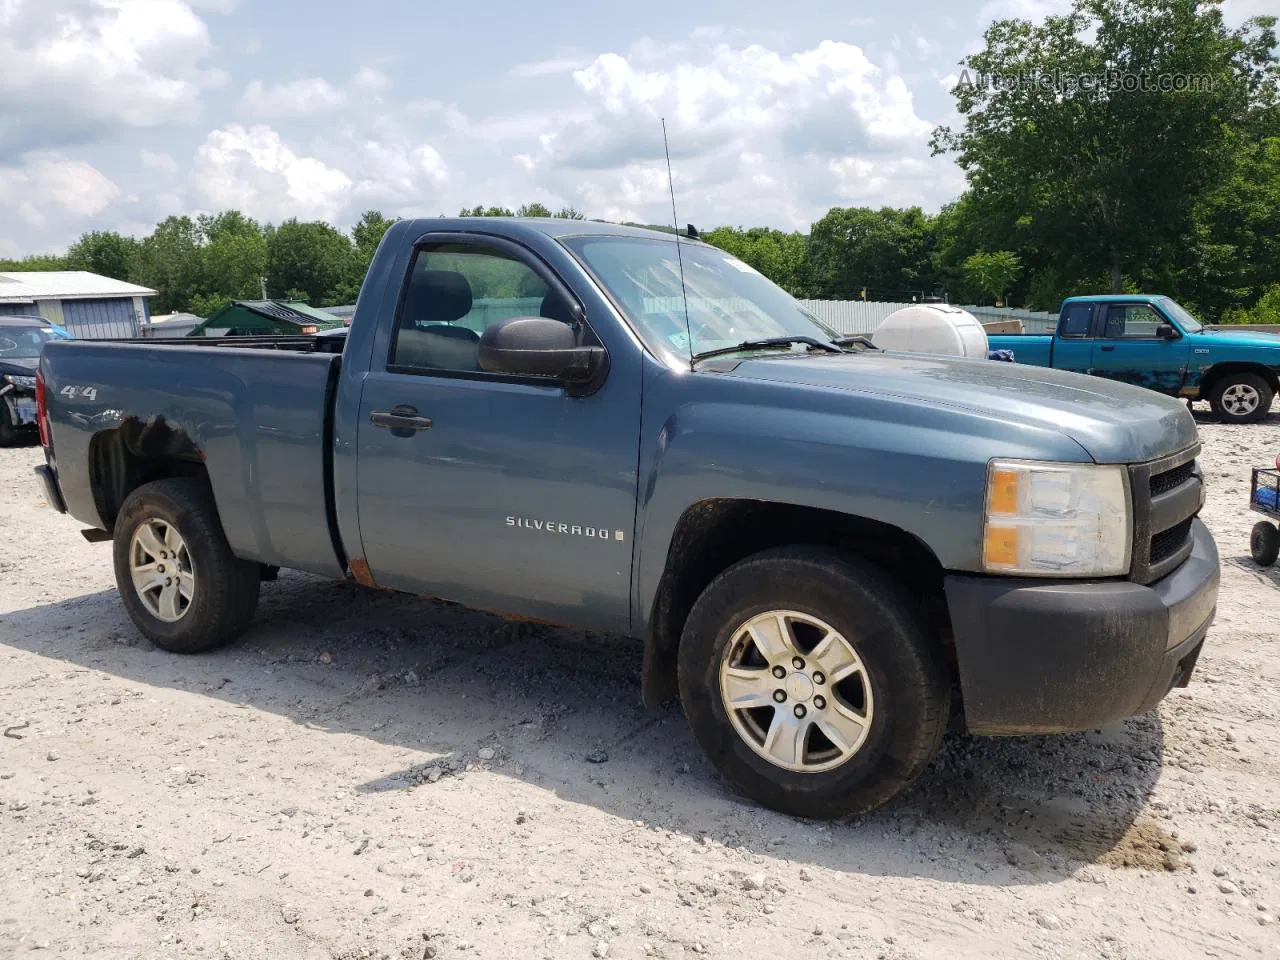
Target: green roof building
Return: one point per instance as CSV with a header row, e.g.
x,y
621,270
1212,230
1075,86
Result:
x,y
266,318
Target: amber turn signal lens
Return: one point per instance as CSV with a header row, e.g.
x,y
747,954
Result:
x,y
1003,496
1001,547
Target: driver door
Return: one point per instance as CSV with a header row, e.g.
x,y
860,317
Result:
x,y
1128,349
499,492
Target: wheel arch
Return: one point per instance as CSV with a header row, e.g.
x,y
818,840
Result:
x,y
135,453
1214,375
712,535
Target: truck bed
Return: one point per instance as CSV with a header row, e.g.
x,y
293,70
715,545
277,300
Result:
x,y
258,415
1032,348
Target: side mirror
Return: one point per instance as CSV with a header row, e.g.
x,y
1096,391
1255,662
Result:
x,y
1167,331
539,347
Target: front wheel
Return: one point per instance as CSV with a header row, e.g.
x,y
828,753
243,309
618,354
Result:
x,y
1241,398
1264,543
811,683
181,584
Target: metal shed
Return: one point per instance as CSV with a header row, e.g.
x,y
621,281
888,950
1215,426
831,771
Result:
x,y
245,318
85,304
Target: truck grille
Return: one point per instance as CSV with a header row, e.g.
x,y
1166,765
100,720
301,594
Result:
x,y
1166,497
1164,482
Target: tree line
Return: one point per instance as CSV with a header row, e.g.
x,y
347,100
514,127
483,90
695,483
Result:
x,y
1073,187
199,264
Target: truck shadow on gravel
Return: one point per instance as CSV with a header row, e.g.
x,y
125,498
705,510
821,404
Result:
x,y
561,710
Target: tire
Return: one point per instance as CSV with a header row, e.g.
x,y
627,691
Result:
x,y
8,432
1241,398
222,590
903,678
1264,543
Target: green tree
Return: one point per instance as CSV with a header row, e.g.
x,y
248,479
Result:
x,y
485,212
1266,310
780,256
1107,180
34,262
171,262
206,305
368,233
992,273
888,252
312,258
104,252
234,257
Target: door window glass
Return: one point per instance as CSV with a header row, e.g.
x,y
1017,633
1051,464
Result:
x,y
1131,321
1077,320
454,292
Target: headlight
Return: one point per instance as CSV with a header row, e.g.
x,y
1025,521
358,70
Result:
x,y
1049,519
18,381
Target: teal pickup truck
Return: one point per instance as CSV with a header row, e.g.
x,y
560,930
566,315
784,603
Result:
x,y
1153,342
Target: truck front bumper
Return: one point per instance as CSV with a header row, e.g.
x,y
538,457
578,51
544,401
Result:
x,y
21,405
1039,656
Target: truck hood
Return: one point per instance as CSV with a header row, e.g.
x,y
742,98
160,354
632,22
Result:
x,y
19,366
1240,338
1113,422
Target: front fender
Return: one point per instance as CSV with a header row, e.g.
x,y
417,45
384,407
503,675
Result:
x,y
915,467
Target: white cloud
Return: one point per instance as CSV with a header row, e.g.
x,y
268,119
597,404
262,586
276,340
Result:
x,y
1237,11
756,135
552,66
1035,10
75,68
301,98
49,189
252,169
255,170
311,96
152,160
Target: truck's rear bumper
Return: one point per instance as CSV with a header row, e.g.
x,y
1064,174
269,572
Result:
x,y
49,484
1041,656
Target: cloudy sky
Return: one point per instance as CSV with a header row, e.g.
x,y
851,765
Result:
x,y
116,113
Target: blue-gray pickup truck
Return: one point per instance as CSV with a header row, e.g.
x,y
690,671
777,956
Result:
x,y
828,550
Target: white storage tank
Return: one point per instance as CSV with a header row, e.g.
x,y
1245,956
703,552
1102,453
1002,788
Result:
x,y
933,328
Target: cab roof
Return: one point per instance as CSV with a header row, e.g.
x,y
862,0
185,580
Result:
x,y
1117,298
554,227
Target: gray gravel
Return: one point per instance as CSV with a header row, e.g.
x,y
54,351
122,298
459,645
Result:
x,y
448,747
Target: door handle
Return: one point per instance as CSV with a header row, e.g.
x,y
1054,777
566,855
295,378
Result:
x,y
398,418
1106,349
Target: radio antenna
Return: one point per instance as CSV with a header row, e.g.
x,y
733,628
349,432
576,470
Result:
x,y
675,222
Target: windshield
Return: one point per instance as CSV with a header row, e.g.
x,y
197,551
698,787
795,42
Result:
x,y
1186,321
729,301
24,342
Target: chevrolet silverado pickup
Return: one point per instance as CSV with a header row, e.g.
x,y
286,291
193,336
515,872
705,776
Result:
x,y
823,546
1154,342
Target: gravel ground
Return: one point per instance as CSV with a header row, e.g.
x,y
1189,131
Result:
x,y
369,775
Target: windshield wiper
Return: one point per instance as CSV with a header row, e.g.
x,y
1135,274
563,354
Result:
x,y
850,341
812,342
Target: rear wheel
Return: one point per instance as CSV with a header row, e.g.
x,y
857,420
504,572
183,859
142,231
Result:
x,y
811,683
1241,398
183,587
1264,543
